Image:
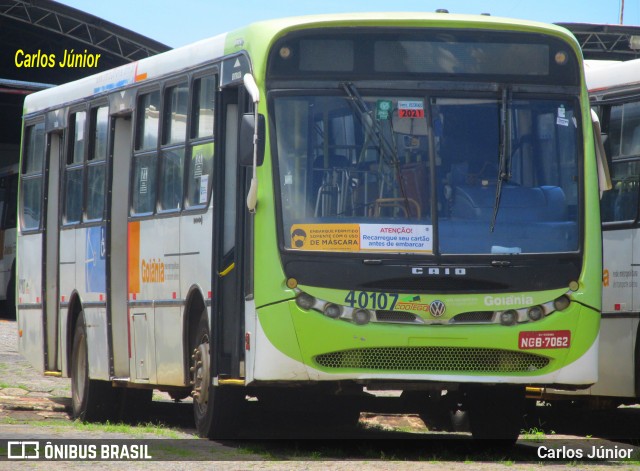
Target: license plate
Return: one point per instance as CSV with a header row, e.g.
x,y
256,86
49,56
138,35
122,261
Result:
x,y
544,339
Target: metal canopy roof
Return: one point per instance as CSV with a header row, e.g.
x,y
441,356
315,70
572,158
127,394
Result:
x,y
605,42
83,27
52,28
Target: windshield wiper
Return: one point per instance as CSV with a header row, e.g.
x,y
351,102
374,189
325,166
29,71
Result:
x,y
504,166
388,151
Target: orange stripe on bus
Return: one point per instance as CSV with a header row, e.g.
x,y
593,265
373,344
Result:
x,y
134,257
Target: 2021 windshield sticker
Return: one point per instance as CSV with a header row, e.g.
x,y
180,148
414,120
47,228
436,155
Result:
x,y
411,109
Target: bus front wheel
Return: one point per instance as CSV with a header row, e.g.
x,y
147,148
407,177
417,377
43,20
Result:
x,y
92,400
214,408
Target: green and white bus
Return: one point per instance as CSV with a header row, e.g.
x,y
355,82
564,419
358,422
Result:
x,y
310,209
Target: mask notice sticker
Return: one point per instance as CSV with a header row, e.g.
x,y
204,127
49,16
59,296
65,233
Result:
x,y
544,339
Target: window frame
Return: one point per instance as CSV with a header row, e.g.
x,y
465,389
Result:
x,y
96,162
31,175
139,152
194,141
185,145
605,110
70,164
90,128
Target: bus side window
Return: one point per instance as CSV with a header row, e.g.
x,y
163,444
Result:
x,y
74,169
200,156
32,175
623,143
96,166
174,134
171,179
143,199
144,184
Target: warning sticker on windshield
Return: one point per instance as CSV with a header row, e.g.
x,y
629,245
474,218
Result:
x,y
395,238
332,237
411,109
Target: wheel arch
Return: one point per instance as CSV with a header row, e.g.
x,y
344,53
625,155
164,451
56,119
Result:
x,y
195,304
74,310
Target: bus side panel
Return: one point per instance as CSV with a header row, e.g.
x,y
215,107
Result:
x,y
142,360
617,338
64,339
156,342
30,322
31,337
195,259
271,364
98,352
250,327
618,327
67,274
169,351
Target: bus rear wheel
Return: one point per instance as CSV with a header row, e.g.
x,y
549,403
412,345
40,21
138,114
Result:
x,y
92,400
214,408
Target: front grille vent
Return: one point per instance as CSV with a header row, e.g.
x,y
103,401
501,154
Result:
x,y
474,317
433,359
396,316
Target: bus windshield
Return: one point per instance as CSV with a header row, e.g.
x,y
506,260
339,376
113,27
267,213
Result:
x,y
373,171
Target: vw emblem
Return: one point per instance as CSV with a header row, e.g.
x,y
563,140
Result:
x,y
437,308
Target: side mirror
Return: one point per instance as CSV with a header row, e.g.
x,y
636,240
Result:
x,y
245,152
604,177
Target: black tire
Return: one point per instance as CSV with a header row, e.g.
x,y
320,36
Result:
x,y
215,409
92,400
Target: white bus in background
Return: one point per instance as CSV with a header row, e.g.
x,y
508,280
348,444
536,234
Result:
x,y
614,88
8,210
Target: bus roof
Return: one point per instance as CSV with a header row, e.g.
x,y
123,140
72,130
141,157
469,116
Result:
x,y
256,38
610,76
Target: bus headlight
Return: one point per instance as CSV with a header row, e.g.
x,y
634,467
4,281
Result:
x,y
535,313
332,310
509,317
361,316
561,303
305,301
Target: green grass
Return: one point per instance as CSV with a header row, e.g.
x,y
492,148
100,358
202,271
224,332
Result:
x,y
136,431
534,434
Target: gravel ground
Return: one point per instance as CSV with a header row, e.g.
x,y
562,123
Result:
x,y
16,371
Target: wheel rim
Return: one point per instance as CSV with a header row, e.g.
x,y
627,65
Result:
x,y
79,374
201,376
